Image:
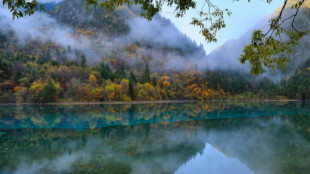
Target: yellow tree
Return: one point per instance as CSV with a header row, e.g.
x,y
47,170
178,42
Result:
x,y
93,80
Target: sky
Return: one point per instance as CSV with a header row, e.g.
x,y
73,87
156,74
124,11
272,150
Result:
x,y
244,16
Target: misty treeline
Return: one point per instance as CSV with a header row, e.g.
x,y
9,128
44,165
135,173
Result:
x,y
39,78
41,72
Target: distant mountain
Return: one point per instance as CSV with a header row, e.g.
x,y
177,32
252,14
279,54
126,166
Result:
x,y
226,56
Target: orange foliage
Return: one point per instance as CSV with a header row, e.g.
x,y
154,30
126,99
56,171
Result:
x,y
98,95
16,88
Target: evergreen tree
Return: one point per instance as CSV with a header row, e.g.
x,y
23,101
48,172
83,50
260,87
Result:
x,y
69,49
6,68
154,82
101,70
48,55
107,72
17,76
132,77
53,76
122,70
42,59
54,63
146,74
131,91
83,61
117,74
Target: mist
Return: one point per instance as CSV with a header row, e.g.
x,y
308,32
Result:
x,y
38,26
58,165
159,42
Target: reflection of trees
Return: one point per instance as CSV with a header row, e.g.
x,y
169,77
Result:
x,y
110,147
147,144
94,116
156,145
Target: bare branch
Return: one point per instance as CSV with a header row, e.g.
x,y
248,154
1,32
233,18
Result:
x,y
296,15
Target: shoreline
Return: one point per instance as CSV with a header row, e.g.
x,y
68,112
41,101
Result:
x,y
107,102
152,102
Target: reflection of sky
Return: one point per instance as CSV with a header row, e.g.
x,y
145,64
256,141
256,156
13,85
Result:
x,y
244,16
213,161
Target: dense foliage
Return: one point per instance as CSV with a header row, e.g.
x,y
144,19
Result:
x,y
242,86
270,49
39,78
40,71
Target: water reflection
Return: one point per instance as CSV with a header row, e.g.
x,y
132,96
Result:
x,y
213,160
96,116
174,138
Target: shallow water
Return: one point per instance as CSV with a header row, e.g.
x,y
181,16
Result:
x,y
181,138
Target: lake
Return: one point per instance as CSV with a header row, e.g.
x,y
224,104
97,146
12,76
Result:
x,y
181,138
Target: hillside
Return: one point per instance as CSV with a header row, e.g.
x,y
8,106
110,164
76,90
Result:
x,y
73,54
158,42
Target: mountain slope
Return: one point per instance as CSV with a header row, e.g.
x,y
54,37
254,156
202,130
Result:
x,y
121,36
158,41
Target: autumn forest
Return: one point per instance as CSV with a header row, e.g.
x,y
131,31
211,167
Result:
x,y
106,67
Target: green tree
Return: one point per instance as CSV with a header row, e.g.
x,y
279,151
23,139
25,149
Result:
x,y
6,68
131,91
104,71
132,77
108,71
83,61
146,74
50,91
122,70
154,81
20,8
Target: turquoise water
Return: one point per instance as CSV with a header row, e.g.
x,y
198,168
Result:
x,y
181,138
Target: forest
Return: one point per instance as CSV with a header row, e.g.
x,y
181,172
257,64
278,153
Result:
x,y
39,79
133,69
